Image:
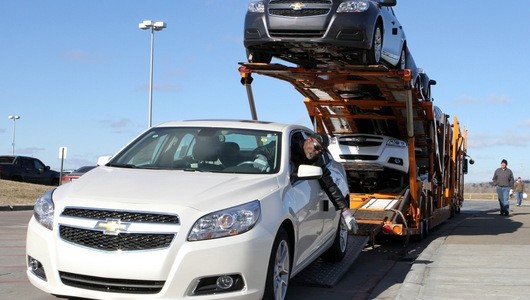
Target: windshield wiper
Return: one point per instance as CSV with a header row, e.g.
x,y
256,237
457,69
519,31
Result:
x,y
128,166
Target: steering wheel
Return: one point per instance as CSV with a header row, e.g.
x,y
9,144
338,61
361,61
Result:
x,y
246,162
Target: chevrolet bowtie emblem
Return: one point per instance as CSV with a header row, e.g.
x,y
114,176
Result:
x,y
112,226
297,6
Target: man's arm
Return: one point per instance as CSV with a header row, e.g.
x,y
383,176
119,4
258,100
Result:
x,y
331,188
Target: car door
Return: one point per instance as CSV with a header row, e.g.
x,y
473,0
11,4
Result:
x,y
393,37
329,212
305,203
37,172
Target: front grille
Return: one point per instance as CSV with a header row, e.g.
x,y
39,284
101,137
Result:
x,y
113,285
288,12
122,241
305,2
358,157
297,33
124,216
360,143
307,8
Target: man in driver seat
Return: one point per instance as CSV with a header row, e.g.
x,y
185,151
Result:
x,y
309,152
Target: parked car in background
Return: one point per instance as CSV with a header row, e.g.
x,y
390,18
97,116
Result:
x,y
182,212
27,169
71,176
310,33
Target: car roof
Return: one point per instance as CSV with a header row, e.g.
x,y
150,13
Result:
x,y
243,124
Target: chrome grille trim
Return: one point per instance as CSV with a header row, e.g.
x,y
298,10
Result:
x,y
125,216
117,230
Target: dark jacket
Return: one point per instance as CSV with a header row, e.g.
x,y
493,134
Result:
x,y
326,181
503,177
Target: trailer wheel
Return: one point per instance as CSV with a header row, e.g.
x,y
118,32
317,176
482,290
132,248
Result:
x,y
337,251
279,269
424,232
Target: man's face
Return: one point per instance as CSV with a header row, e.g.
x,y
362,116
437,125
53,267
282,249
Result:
x,y
312,148
503,165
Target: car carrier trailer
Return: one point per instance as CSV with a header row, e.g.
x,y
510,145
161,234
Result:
x,y
368,99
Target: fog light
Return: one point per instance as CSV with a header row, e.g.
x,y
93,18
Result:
x,y
219,284
36,268
225,282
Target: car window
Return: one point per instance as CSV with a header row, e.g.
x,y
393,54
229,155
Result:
x,y
201,149
38,165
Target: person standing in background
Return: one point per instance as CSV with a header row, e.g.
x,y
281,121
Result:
x,y
519,190
503,181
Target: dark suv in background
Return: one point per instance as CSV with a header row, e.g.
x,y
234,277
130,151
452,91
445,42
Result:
x,y
328,32
27,169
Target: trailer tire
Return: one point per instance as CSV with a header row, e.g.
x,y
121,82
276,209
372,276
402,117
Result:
x,y
279,270
337,251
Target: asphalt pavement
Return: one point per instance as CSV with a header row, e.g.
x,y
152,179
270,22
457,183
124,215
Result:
x,y
484,256
477,255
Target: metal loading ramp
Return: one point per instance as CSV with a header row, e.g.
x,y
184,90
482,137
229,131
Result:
x,y
326,274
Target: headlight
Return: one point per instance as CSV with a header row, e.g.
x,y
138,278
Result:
x,y
44,209
353,6
227,222
256,7
396,143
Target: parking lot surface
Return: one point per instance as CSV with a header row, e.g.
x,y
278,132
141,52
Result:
x,y
476,254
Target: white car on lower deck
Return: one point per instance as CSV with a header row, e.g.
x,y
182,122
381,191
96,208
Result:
x,y
176,215
369,152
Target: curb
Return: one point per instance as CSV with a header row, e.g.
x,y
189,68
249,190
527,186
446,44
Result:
x,y
15,207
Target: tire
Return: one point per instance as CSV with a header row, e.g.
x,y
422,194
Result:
x,y
374,54
279,270
258,57
424,232
337,251
402,63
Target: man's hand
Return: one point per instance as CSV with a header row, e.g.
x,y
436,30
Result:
x,y
350,221
261,163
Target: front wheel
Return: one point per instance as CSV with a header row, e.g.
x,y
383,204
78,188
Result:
x,y
279,269
337,251
402,63
374,55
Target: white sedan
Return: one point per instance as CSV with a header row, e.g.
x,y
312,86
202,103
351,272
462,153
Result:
x,y
182,211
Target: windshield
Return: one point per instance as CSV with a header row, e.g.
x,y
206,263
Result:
x,y
224,150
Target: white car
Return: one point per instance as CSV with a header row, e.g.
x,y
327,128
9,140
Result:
x,y
170,216
369,152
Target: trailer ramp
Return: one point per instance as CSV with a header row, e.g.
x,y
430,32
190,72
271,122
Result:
x,y
327,274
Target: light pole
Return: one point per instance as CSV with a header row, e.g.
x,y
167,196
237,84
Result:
x,y
14,118
154,26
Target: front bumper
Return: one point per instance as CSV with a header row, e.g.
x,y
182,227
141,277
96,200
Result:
x,y
177,269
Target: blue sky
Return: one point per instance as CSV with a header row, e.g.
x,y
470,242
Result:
x,y
77,73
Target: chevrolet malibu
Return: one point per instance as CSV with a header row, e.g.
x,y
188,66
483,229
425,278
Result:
x,y
327,32
183,212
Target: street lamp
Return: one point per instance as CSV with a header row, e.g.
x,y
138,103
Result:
x,y
154,26
14,118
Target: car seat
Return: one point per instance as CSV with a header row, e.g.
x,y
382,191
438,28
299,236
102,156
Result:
x,y
206,152
230,154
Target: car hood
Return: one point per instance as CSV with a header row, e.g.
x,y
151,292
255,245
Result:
x,y
142,189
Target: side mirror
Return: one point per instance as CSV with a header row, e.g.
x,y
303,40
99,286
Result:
x,y
306,172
